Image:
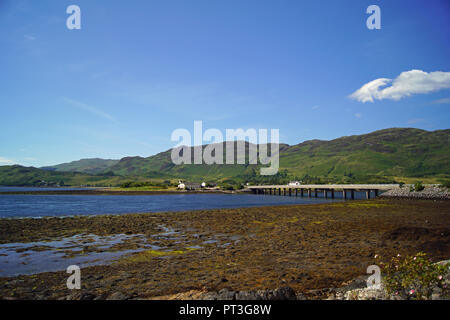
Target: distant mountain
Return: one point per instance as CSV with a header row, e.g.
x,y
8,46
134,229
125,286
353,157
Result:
x,y
28,176
91,166
396,154
388,154
161,165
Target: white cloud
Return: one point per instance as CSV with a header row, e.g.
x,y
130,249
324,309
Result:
x,y
358,115
406,84
90,109
315,107
4,161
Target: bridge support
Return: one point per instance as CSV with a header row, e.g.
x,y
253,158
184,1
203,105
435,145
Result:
x,y
329,191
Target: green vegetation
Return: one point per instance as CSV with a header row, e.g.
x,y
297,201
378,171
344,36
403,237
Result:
x,y
90,166
445,184
146,185
418,186
414,277
28,176
386,156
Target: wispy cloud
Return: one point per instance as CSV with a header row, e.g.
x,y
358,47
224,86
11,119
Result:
x,y
90,109
406,84
315,107
415,121
5,161
358,115
442,101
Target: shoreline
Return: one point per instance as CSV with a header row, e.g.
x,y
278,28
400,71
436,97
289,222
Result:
x,y
99,192
307,247
429,193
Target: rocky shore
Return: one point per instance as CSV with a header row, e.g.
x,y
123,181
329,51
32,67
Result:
x,y
234,253
433,192
283,293
357,289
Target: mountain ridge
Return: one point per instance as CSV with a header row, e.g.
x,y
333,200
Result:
x,y
379,156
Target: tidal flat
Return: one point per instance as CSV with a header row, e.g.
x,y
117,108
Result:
x,y
309,248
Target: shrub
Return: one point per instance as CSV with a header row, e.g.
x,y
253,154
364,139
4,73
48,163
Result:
x,y
418,186
414,277
401,184
126,184
227,187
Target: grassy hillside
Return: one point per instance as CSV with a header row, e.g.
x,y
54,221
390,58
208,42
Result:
x,y
381,156
91,166
390,155
407,153
29,176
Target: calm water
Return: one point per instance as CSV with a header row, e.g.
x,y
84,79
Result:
x,y
24,189
19,206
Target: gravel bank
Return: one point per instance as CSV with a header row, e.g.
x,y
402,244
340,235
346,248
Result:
x,y
430,192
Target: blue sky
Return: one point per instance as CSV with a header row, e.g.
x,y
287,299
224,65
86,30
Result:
x,y
137,70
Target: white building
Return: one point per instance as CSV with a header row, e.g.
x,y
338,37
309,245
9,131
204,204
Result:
x,y
294,183
181,185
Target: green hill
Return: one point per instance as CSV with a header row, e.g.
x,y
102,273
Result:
x,y
396,154
382,156
389,152
91,166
